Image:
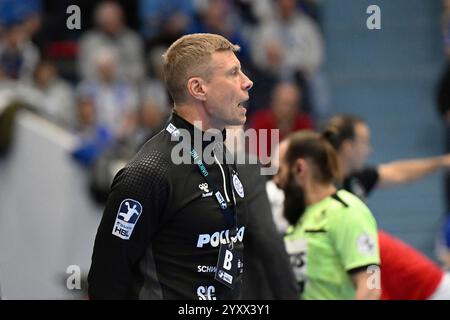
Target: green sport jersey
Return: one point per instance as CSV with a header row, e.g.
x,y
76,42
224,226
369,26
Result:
x,y
332,238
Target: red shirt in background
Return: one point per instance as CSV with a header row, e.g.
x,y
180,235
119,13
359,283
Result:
x,y
265,119
406,274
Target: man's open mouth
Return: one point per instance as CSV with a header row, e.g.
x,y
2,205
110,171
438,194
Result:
x,y
243,104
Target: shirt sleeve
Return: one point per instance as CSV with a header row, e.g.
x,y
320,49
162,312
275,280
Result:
x,y
133,212
354,235
367,179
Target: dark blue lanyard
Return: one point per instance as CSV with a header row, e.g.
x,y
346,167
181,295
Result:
x,y
230,218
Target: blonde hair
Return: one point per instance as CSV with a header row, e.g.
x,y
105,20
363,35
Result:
x,y
189,56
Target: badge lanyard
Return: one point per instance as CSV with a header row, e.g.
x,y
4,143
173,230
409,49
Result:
x,y
230,218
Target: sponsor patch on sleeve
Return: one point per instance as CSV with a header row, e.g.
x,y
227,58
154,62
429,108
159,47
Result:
x,y
129,212
366,244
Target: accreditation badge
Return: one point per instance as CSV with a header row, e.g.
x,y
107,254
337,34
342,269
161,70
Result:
x,y
229,264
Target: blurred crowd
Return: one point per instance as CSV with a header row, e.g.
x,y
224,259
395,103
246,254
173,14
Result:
x,y
104,81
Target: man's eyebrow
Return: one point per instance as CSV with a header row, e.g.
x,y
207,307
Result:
x,y
235,67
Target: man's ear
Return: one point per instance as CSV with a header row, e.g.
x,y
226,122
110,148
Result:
x,y
300,167
346,147
196,88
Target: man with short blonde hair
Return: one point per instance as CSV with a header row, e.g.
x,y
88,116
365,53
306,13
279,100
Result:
x,y
185,222
191,56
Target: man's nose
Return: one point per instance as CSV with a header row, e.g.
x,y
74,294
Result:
x,y
247,84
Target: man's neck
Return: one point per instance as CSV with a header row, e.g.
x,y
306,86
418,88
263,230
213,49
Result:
x,y
197,116
317,192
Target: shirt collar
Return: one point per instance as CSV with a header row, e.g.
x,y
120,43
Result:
x,y
182,123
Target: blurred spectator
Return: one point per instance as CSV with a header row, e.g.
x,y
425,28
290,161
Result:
x,y
12,11
106,100
50,95
290,47
151,116
246,10
112,32
154,88
32,25
262,10
290,43
54,39
151,120
18,56
285,114
155,103
164,21
29,12
219,17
